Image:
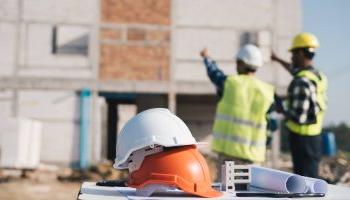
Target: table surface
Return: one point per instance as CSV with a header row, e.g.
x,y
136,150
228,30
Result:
x,y
89,191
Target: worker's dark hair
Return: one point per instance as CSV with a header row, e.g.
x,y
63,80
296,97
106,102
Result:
x,y
250,68
247,68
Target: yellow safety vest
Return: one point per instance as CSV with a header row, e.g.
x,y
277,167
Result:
x,y
321,88
240,123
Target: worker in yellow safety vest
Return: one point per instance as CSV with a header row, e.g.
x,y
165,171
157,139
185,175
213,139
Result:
x,y
305,105
240,127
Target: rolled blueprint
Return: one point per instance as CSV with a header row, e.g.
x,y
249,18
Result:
x,y
316,185
276,180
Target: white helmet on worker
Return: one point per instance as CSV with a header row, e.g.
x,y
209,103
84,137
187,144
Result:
x,y
147,130
250,55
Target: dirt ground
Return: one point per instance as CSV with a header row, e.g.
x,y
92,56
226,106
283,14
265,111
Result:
x,y
53,183
31,190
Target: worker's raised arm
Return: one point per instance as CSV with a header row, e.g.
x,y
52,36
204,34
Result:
x,y
216,75
285,64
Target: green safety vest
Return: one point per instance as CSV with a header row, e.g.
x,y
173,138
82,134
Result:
x,y
240,126
321,87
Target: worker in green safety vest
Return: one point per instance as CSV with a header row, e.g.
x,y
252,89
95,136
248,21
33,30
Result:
x,y
240,127
305,105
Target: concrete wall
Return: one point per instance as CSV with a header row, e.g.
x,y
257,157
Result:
x,y
198,112
8,9
140,40
220,27
6,102
26,42
287,22
59,113
7,48
77,11
33,37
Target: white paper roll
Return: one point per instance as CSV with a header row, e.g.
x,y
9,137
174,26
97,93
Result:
x,y
316,185
276,180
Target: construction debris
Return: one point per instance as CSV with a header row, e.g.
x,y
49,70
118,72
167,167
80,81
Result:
x,y
103,171
336,169
40,175
7,175
49,173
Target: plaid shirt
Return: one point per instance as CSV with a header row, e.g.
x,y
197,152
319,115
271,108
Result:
x,y
302,100
216,75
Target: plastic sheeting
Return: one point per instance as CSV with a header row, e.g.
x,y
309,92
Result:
x,y
280,181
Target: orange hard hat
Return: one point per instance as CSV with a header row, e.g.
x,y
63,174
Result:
x,y
183,167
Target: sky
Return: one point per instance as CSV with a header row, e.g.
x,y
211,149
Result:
x,y
329,20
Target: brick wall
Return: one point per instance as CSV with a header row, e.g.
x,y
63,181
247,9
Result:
x,y
135,40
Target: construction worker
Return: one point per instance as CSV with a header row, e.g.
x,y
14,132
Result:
x,y
240,127
306,105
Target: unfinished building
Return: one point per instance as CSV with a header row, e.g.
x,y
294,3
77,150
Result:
x,y
127,56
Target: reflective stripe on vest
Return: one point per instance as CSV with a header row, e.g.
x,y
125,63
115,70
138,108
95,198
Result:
x,y
240,123
238,139
321,87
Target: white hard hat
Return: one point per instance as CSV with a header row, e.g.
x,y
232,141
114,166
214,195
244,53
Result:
x,y
157,126
250,55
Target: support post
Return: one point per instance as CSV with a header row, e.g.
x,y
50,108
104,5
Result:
x,y
85,97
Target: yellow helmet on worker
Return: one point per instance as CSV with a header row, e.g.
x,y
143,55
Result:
x,y
305,40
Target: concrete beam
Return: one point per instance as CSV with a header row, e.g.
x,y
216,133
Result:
x,y
159,87
77,84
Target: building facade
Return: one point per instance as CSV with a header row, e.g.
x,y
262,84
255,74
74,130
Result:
x,y
131,55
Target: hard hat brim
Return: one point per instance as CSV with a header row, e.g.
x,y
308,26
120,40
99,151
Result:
x,y
302,47
177,167
122,164
210,193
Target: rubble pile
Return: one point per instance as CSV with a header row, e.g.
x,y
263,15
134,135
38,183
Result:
x,y
48,173
336,170
102,171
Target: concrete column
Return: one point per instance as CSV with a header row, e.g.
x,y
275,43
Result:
x,y
172,89
94,56
276,148
172,102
